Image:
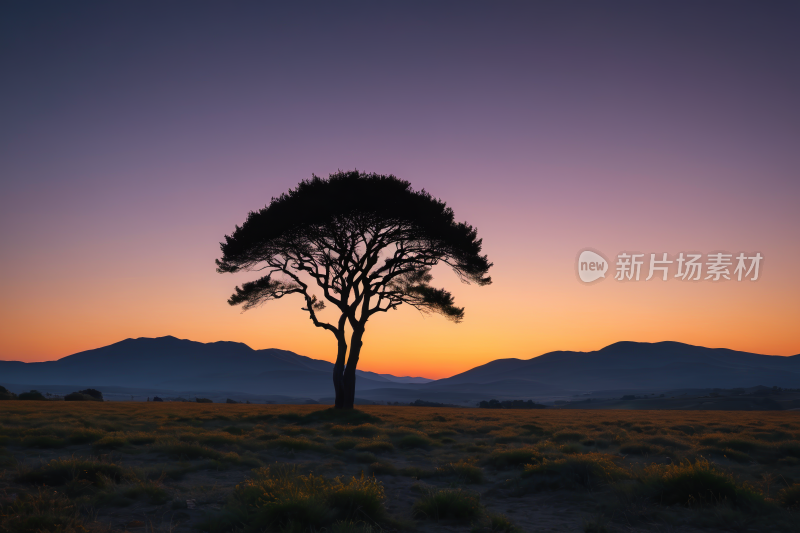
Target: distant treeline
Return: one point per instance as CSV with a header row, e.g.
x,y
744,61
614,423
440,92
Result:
x,y
90,395
511,404
423,403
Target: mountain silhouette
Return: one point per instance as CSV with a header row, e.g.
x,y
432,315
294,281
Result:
x,y
639,365
168,363
177,364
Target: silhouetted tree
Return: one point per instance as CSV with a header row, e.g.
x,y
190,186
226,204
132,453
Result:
x,y
6,394
94,393
511,404
32,395
367,241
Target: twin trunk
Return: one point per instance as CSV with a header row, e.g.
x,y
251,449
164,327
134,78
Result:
x,y
344,377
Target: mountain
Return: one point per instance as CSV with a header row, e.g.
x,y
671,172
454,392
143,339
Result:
x,y
187,368
180,365
638,365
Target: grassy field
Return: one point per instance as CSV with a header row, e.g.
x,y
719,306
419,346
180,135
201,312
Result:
x,y
90,466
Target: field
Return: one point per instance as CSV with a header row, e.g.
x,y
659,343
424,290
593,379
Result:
x,y
146,467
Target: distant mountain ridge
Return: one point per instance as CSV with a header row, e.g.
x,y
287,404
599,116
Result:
x,y
168,363
625,365
178,364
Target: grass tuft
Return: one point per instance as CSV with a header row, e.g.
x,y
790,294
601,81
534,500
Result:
x,y
514,457
61,471
698,483
280,497
464,470
84,436
354,526
790,496
186,450
381,468
495,523
345,444
110,442
568,436
148,491
413,440
375,446
361,430
43,441
366,457
341,416
733,455
448,504
44,511
580,470
638,448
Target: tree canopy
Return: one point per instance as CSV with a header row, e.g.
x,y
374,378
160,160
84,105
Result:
x,y
365,242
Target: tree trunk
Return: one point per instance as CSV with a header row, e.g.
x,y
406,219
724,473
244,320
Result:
x,y
349,381
338,374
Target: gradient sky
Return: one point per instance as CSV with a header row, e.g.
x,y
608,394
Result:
x,y
135,135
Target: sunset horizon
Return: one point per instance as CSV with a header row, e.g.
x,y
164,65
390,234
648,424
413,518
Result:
x,y
400,372
367,267
550,131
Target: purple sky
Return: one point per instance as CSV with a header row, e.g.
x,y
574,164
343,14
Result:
x,y
134,135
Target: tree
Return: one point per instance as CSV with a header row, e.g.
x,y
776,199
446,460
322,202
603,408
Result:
x,y
32,395
94,393
368,242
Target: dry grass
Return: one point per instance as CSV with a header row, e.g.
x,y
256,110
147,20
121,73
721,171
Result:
x,y
282,497
743,466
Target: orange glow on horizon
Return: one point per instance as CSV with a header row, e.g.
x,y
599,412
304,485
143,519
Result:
x,y
137,136
754,317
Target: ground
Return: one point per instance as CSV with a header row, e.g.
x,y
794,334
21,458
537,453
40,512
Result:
x,y
174,466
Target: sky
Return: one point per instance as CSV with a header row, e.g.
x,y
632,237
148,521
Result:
x,y
136,135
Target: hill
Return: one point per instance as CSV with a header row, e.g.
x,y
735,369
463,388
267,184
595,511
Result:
x,y
180,365
176,367
639,365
